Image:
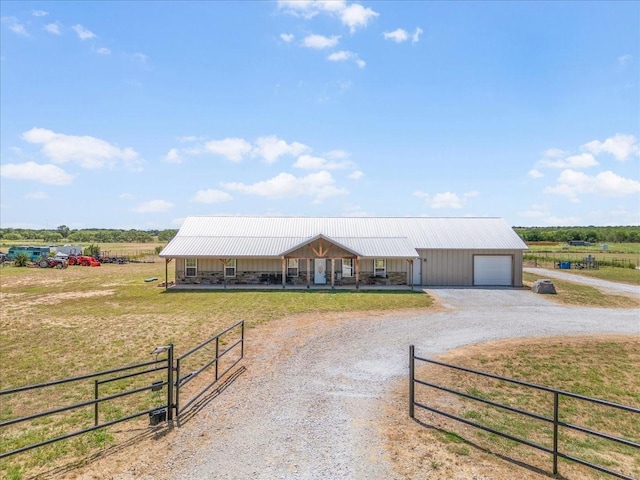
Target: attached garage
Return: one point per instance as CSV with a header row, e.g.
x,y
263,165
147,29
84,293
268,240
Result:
x,y
493,270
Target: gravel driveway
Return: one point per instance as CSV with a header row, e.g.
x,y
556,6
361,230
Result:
x,y
313,409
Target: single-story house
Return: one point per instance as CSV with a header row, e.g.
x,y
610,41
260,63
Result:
x,y
223,250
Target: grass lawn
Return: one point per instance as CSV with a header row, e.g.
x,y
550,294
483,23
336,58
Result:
x,y
61,323
605,368
570,293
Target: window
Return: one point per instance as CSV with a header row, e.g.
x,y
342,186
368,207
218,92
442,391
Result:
x,y
347,267
292,267
191,267
379,267
230,268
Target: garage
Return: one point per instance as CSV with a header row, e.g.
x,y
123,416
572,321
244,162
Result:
x,y
493,270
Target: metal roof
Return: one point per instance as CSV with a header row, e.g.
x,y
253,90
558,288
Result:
x,y
230,237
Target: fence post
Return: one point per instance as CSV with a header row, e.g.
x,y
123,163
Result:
x,y
411,380
95,405
242,340
556,408
177,406
170,404
217,353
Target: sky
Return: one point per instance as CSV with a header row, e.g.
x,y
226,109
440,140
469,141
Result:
x,y
139,114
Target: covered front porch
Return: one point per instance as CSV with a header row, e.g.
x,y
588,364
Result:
x,y
318,262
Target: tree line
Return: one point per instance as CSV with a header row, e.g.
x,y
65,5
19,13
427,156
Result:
x,y
98,235
622,234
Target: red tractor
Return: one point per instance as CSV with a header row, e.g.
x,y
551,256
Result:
x,y
84,260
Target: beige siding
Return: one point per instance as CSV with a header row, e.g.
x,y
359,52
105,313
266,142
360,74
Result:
x,y
455,267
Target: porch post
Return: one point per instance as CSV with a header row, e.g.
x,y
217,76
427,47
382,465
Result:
x,y
284,271
333,274
308,273
224,271
166,275
410,270
357,272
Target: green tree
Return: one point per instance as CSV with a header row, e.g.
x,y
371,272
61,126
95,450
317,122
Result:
x,y
92,250
63,230
52,237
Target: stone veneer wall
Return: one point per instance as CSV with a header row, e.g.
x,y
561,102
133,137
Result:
x,y
262,278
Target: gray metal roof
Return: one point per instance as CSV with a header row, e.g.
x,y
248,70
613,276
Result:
x,y
230,237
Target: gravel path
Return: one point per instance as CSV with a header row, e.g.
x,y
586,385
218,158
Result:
x,y
313,409
619,288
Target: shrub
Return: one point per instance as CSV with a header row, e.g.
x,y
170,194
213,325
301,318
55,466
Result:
x,y
92,250
21,260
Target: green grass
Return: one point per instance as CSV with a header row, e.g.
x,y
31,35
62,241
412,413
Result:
x,y
598,368
570,293
61,323
621,254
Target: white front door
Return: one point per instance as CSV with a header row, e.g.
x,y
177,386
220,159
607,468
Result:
x,y
417,274
320,271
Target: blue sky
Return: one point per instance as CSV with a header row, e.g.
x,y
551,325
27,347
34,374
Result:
x,y
138,114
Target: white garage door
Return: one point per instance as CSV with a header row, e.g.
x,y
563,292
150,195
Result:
x,y
492,270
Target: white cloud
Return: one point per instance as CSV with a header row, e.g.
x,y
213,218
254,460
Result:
x,y
36,196
271,148
400,35
344,55
623,60
53,28
189,139
446,199
320,42
620,146
46,174
338,155
415,38
103,51
320,185
153,206
351,15
533,173
139,57
211,196
173,156
308,162
39,13
554,153
83,33
571,184
356,16
230,148
287,37
127,196
88,152
584,160
356,175
15,26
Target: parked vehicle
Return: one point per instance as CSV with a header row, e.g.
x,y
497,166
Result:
x,y
69,249
84,260
53,262
34,253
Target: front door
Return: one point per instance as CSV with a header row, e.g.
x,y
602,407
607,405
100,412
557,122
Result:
x,y
320,271
417,274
